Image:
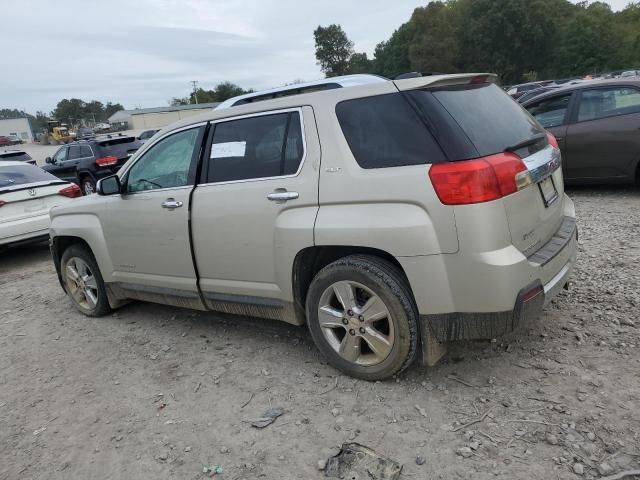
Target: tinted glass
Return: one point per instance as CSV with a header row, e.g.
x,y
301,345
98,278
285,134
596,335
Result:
x,y
490,119
167,164
384,131
85,151
17,156
17,175
74,152
608,102
120,147
256,147
551,111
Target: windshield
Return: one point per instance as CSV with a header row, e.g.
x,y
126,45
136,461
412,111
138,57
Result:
x,y
16,175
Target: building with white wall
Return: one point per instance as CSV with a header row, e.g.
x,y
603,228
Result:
x,y
148,118
16,126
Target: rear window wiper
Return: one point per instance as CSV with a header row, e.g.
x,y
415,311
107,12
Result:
x,y
525,143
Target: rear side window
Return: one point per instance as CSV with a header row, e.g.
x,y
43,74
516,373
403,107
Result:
x,y
384,131
74,152
551,112
119,147
85,151
17,175
256,147
608,102
486,115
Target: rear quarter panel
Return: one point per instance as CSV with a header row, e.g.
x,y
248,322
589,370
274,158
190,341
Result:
x,y
393,209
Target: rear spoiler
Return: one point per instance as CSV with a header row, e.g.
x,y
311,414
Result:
x,y
444,80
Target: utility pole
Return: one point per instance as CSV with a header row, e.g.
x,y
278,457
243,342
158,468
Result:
x,y
195,90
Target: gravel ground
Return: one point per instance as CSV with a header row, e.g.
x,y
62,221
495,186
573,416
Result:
x,y
159,392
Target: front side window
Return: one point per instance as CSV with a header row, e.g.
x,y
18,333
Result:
x,y
167,164
61,155
551,112
608,102
256,147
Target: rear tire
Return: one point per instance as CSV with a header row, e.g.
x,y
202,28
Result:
x,y
363,318
88,186
83,281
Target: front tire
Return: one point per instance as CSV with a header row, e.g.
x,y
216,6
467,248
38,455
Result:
x,y
363,318
83,281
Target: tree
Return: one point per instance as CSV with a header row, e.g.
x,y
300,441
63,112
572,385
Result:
x,y
175,101
434,47
360,63
219,93
588,43
333,50
508,37
391,58
69,110
111,108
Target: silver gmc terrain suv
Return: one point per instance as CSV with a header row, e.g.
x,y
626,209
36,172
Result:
x,y
391,217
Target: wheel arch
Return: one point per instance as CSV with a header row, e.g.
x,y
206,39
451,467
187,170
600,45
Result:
x,y
309,261
59,245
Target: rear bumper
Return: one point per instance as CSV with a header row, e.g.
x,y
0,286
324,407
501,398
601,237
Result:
x,y
487,295
29,229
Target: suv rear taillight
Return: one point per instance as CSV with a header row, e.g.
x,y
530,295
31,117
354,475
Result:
x,y
106,161
480,180
553,141
72,191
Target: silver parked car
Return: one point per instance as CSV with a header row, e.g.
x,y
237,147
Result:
x,y
391,217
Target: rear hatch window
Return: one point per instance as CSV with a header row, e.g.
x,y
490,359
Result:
x,y
121,147
15,156
20,176
472,121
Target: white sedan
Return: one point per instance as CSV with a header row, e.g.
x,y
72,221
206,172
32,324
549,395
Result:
x,y
27,193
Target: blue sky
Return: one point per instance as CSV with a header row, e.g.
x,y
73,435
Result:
x,y
143,53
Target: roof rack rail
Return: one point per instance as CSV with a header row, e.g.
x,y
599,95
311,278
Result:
x,y
300,88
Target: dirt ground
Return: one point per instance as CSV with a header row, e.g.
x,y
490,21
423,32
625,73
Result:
x,y
155,392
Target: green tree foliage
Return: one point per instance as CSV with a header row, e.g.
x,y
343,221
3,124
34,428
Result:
x,y
517,39
591,41
434,47
333,50
223,91
76,111
220,93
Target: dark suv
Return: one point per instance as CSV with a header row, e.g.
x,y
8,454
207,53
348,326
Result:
x,y
86,161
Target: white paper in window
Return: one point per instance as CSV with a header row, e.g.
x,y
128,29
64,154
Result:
x,y
228,149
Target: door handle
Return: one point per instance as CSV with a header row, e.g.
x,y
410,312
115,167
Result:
x,y
171,203
559,139
282,196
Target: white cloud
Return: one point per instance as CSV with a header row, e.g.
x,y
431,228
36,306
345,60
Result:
x,y
142,53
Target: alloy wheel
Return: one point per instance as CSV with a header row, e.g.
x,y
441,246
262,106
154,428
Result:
x,y
356,323
81,283
88,188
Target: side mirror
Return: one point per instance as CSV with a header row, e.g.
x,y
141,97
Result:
x,y
48,160
108,185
